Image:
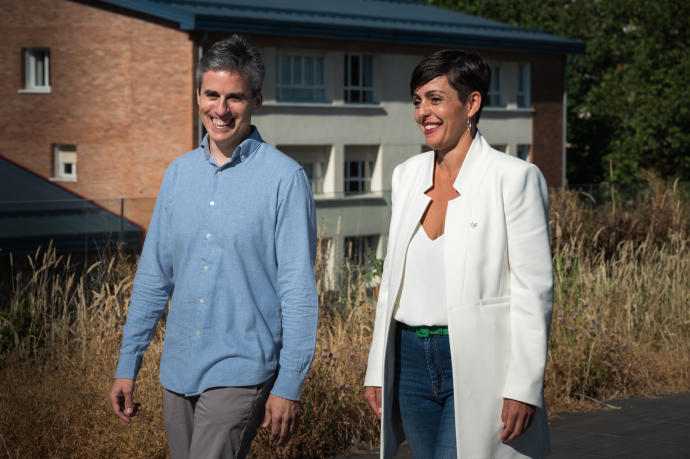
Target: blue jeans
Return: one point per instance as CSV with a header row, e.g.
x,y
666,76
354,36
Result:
x,y
424,392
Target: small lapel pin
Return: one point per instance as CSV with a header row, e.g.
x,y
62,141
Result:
x,y
474,225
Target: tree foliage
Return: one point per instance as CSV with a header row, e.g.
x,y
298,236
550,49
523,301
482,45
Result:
x,y
628,98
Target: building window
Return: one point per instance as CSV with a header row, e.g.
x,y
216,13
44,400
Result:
x,y
357,248
523,86
359,168
301,79
523,151
315,172
359,79
495,97
314,161
501,147
37,70
65,162
358,176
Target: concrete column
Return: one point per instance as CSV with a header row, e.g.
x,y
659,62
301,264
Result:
x,y
333,179
377,173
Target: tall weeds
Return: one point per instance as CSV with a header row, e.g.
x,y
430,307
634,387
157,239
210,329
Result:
x,y
621,323
621,327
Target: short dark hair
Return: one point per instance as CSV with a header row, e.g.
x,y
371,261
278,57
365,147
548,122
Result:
x,y
466,73
233,54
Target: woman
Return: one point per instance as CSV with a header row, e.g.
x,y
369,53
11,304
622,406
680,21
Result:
x,y
462,321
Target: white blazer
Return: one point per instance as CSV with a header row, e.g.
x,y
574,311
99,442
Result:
x,y
499,291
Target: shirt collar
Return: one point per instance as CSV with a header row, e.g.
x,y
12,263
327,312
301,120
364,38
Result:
x,y
245,149
465,173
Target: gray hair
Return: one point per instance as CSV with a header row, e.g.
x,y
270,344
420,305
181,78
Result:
x,y
233,54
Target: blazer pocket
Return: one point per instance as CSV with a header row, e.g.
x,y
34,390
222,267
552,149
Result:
x,y
495,301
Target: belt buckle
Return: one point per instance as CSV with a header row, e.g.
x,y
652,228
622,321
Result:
x,y
422,332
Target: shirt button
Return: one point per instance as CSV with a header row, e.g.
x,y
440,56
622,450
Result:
x,y
205,268
198,333
243,156
201,301
213,203
208,235
218,172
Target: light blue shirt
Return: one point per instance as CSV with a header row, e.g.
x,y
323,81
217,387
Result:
x,y
234,246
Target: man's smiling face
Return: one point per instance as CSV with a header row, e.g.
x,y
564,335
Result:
x,y
226,105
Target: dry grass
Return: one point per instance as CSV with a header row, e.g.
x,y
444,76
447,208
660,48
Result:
x,y
621,324
55,373
621,327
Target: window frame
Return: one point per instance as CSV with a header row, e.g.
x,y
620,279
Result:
x,y
61,153
315,179
365,158
349,88
361,246
314,157
361,178
522,151
31,58
523,79
496,69
315,87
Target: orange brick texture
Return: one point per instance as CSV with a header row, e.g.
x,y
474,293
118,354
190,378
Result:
x,y
121,90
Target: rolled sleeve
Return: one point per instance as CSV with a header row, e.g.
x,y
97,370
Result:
x,y
295,237
153,285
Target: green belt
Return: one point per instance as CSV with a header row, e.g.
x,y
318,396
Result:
x,y
424,332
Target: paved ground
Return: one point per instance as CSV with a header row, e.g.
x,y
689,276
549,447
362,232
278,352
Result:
x,y
643,428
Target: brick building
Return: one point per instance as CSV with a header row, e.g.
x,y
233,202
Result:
x,y
98,96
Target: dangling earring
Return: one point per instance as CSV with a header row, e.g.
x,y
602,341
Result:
x,y
469,124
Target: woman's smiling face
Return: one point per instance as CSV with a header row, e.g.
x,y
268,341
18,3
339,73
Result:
x,y
440,114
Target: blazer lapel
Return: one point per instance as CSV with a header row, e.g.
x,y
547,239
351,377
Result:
x,y
458,222
418,201
414,202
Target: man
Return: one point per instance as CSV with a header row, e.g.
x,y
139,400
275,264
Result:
x,y
232,239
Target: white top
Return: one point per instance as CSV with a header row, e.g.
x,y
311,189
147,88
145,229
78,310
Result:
x,y
423,290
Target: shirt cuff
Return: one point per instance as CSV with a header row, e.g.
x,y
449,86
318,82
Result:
x,y
288,385
128,366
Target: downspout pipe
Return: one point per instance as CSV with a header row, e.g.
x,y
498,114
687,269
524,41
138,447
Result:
x,y
200,53
565,122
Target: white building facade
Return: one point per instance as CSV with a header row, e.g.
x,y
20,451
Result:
x,y
336,95
347,117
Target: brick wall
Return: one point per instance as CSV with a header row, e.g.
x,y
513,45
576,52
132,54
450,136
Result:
x,y
121,91
547,125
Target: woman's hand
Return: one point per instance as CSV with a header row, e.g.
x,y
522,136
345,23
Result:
x,y
372,394
516,418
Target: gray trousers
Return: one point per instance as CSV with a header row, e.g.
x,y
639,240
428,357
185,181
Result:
x,y
219,423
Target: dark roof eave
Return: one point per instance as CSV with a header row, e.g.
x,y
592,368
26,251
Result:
x,y
189,21
184,18
216,24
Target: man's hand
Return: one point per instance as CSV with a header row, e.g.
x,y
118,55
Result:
x,y
283,417
516,418
372,394
121,398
